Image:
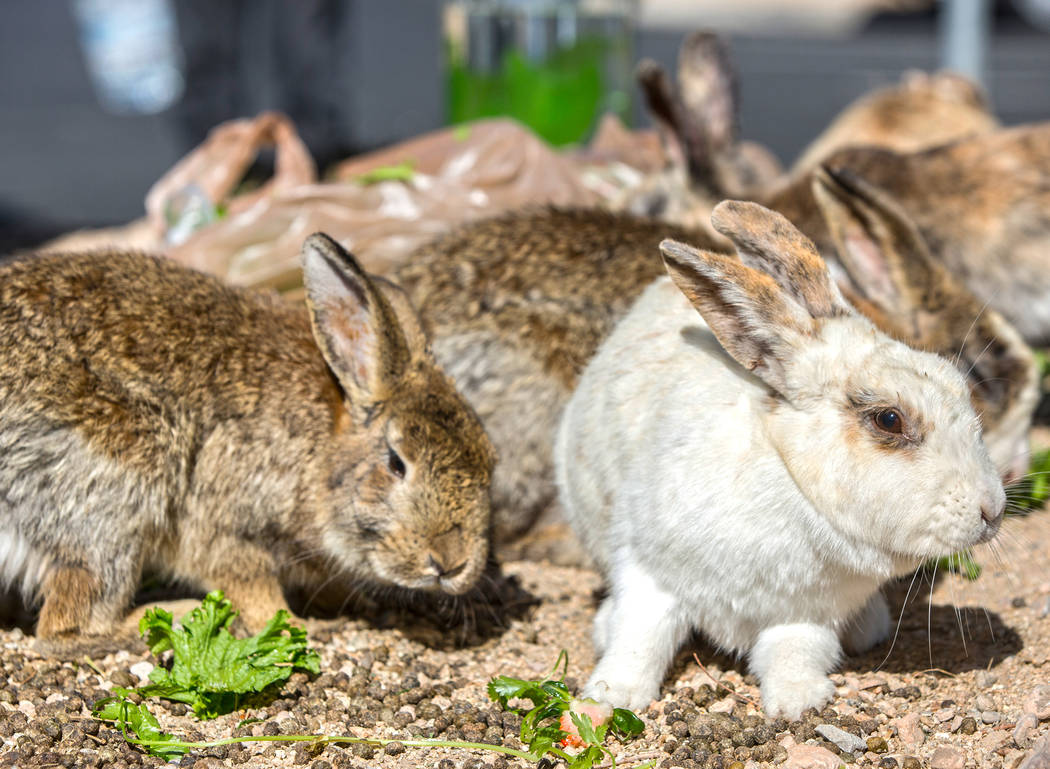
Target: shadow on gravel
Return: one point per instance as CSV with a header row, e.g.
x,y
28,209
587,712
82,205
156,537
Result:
x,y
936,639
435,620
438,621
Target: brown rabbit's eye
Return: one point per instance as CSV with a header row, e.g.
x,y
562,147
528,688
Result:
x,y
889,421
395,463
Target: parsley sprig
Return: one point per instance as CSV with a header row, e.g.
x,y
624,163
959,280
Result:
x,y
541,725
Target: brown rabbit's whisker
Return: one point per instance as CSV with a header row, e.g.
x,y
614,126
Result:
x,y
966,336
976,360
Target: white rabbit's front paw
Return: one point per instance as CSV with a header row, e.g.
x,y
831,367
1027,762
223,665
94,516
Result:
x,y
789,695
869,627
792,664
635,695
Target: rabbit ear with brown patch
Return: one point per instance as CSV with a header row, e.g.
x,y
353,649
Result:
x,y
354,324
767,241
756,322
882,251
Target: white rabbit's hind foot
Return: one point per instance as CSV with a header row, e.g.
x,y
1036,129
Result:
x,y
869,627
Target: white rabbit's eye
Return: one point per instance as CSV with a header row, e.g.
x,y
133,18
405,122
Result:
x,y
889,421
395,463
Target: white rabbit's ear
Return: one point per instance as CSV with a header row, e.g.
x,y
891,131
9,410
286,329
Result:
x,y
767,241
878,245
751,316
354,324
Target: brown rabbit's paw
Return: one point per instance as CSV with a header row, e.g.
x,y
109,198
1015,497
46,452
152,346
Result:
x,y
70,595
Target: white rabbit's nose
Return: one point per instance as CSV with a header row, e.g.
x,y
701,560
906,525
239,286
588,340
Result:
x,y
993,506
992,513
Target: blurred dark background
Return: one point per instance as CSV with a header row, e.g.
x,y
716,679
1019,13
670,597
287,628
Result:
x,y
358,74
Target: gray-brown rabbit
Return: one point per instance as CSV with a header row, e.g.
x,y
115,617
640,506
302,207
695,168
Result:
x,y
922,110
517,305
981,203
153,419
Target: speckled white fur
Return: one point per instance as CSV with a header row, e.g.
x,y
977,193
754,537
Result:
x,y
767,520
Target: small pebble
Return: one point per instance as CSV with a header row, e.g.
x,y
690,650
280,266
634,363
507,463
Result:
x,y
1026,724
910,762
1039,758
1038,702
984,702
877,745
888,763
907,692
841,738
909,731
968,725
948,758
811,757
944,714
1019,602
142,670
985,679
991,717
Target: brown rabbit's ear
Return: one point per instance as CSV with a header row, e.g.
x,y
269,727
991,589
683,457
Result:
x,y
406,315
697,121
878,245
355,326
767,241
751,316
707,83
666,111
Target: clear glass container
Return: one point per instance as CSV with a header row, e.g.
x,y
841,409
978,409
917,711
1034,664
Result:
x,y
555,65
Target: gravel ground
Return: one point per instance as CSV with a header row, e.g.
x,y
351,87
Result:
x,y
965,684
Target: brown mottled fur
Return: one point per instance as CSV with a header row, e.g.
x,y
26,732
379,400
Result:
x,y
921,111
154,419
982,205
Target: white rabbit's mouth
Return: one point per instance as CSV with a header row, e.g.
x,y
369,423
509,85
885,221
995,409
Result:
x,y
990,531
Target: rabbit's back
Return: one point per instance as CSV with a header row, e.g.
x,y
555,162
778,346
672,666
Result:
x,y
123,378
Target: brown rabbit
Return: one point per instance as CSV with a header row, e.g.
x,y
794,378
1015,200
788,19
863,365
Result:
x,y
517,305
983,206
923,110
153,419
697,121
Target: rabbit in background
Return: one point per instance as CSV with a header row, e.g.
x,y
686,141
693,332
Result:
x,y
923,110
982,205
154,419
759,472
977,195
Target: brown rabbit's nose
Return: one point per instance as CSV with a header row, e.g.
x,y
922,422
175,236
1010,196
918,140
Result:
x,y
440,570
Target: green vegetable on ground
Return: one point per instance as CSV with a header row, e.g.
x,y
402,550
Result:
x,y
215,673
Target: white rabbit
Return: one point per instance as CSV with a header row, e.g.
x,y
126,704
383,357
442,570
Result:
x,y
757,477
